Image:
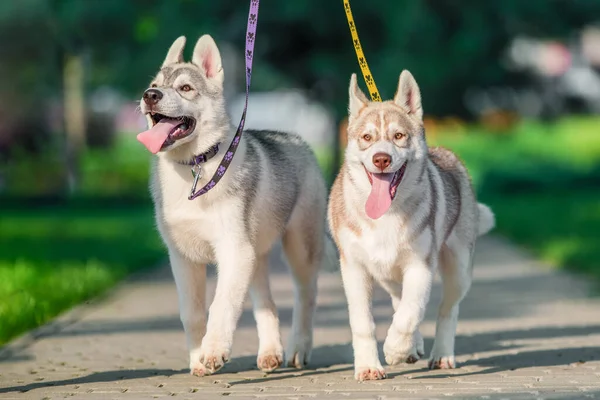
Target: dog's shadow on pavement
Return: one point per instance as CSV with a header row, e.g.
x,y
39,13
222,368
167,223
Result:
x,y
338,358
525,359
515,355
97,377
325,359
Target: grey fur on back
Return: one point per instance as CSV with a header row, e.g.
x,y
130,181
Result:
x,y
461,206
291,167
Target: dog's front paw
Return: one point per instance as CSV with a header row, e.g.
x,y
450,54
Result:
x,y
196,367
403,347
208,359
442,362
299,351
269,361
375,372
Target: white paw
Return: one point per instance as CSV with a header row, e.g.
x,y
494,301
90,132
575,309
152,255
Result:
x,y
208,359
441,362
269,361
298,351
403,347
373,373
196,367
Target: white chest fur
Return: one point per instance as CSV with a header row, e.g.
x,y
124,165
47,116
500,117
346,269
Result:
x,y
378,245
385,246
191,226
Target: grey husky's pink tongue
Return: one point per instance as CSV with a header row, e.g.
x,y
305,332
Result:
x,y
380,199
154,137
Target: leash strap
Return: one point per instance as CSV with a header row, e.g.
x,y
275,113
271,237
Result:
x,y
228,157
360,55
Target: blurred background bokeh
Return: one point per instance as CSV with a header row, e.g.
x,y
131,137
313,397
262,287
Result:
x,y
512,86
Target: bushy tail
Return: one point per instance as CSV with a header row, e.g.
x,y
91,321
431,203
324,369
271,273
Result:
x,y
331,260
487,220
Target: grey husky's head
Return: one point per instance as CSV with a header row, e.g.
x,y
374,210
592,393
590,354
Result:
x,y
185,103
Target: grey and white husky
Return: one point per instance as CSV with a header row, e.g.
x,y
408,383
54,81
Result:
x,y
273,189
399,211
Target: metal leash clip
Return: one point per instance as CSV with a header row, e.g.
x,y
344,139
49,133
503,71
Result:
x,y
197,174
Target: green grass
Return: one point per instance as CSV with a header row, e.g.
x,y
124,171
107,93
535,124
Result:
x,y
53,258
560,227
543,183
123,171
569,148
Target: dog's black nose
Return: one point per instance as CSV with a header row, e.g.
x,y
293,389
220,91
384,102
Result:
x,y
382,160
152,96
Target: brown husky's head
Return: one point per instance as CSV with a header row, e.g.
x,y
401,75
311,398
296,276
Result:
x,y
386,139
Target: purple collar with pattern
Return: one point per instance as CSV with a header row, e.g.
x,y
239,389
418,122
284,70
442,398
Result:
x,y
202,158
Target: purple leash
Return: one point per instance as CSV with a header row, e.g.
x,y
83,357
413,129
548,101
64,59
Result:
x,y
250,37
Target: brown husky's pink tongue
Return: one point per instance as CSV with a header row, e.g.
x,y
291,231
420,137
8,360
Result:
x,y
154,137
380,199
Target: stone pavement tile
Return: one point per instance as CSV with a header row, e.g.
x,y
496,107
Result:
x,y
525,331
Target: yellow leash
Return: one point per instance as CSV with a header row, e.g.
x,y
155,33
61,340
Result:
x,y
362,61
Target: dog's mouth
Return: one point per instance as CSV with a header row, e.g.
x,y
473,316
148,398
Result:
x,y
384,187
165,131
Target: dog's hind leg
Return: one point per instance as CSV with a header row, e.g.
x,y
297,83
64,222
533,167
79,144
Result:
x,y
270,350
455,269
303,244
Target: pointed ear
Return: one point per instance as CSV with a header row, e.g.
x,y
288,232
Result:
x,y
408,95
207,56
175,54
357,98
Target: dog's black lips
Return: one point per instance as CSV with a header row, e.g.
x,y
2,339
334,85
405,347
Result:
x,y
187,125
397,178
398,175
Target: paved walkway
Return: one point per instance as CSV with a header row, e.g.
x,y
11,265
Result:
x,y
525,332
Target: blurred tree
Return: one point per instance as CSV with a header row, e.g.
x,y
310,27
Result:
x,y
449,45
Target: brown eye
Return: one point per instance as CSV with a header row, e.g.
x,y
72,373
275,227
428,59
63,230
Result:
x,y
367,137
153,85
399,135
186,88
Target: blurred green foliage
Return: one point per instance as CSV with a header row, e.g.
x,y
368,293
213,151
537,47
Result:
x,y
119,172
531,156
449,45
543,183
559,226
